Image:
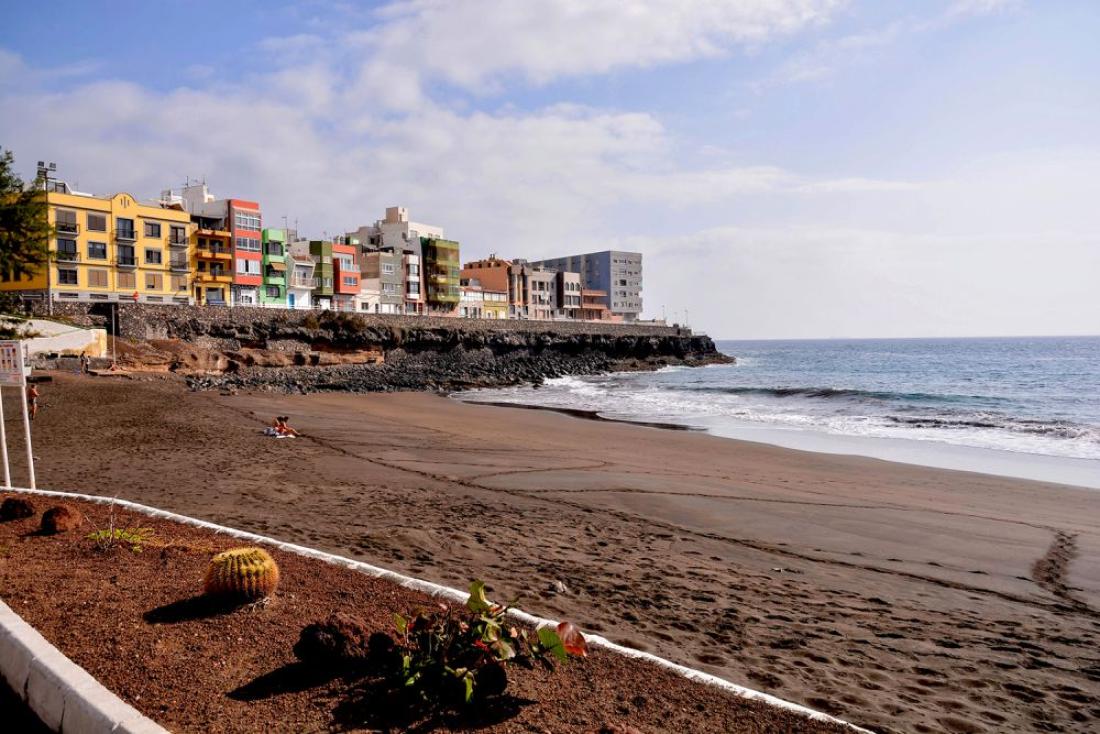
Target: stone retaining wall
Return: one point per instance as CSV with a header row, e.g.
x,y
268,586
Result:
x,y
152,321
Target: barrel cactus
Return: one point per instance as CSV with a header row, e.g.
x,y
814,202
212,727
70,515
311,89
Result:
x,y
245,574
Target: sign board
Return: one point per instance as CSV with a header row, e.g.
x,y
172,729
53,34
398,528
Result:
x,y
11,363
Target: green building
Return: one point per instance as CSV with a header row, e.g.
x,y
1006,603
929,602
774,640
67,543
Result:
x,y
321,252
442,269
273,267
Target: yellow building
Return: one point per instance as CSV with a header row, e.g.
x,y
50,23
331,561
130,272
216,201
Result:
x,y
113,249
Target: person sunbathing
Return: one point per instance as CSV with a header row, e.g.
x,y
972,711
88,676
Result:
x,y
283,429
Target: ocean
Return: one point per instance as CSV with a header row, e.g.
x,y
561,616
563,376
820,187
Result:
x,y
1019,406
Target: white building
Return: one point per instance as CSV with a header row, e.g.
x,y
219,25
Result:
x,y
300,267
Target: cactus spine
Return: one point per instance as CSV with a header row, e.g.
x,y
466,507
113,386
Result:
x,y
242,573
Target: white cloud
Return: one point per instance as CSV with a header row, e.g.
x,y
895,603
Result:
x,y
476,43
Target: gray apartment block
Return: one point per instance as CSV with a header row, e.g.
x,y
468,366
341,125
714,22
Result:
x,y
616,272
387,268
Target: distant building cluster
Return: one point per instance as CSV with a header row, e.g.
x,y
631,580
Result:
x,y
190,248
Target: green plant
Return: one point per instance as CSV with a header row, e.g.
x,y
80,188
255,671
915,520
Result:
x,y
136,538
245,574
446,657
25,230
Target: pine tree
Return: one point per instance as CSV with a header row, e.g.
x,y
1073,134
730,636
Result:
x,y
25,230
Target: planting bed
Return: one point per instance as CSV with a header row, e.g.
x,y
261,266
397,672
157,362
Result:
x,y
135,621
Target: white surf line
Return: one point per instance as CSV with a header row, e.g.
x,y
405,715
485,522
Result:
x,y
433,589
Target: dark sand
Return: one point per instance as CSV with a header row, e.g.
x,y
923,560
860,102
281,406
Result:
x,y
898,597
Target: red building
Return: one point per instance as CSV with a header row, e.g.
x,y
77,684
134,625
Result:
x,y
245,224
345,276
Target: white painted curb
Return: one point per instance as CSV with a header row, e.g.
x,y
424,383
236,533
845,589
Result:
x,y
61,693
426,587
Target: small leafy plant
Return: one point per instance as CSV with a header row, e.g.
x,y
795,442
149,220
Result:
x,y
445,658
136,538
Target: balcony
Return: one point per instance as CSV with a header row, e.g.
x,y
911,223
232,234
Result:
x,y
126,235
274,277
179,264
209,232
215,277
299,282
68,256
213,253
178,241
67,228
126,262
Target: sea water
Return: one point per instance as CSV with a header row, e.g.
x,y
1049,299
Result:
x,y
1025,407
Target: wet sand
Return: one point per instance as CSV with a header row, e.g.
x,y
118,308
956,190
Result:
x,y
898,597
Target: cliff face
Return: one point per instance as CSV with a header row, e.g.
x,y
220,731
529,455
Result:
x,y
307,351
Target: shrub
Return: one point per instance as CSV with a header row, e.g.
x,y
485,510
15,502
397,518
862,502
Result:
x,y
449,658
61,519
16,508
245,574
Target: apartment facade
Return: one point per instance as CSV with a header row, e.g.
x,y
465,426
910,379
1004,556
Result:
x,y
243,221
500,275
323,291
111,248
398,234
300,274
383,281
441,273
345,277
617,272
273,293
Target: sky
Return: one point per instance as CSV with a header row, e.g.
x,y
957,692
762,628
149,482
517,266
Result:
x,y
788,168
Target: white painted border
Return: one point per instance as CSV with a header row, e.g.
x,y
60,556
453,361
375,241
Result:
x,y
61,693
432,589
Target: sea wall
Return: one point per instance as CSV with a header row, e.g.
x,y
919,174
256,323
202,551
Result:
x,y
306,351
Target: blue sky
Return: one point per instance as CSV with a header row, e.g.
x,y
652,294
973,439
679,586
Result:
x,y
789,168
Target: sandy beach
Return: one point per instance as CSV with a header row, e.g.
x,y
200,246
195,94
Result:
x,y
899,597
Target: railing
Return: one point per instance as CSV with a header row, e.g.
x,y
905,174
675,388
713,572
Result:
x,y
68,227
126,262
126,234
64,256
212,251
176,264
302,282
177,241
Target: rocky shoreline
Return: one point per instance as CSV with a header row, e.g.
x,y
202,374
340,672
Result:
x,y
304,351
458,367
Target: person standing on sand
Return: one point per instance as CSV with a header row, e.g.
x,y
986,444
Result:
x,y
32,399
85,363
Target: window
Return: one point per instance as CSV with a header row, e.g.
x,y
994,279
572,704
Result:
x,y
66,221
390,289
66,249
247,220
387,269
66,276
152,257
248,267
97,278
272,291
124,228
97,250
414,269
178,235
152,229
179,282
97,223
351,280
126,281
154,281
414,289
251,244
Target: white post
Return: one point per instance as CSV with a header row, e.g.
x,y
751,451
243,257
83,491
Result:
x,y
4,443
27,435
